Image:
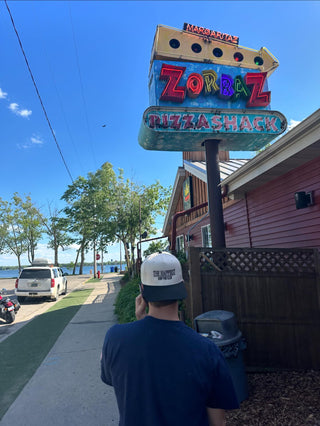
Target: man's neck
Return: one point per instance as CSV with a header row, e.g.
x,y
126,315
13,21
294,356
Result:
x,y
169,312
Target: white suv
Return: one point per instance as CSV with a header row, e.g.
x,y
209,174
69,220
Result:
x,y
42,279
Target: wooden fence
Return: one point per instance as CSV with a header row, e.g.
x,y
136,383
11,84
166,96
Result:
x,y
275,295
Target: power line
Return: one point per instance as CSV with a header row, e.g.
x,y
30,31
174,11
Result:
x,y
64,113
82,89
35,85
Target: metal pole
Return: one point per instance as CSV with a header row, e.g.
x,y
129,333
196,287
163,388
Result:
x,y
139,249
214,193
94,260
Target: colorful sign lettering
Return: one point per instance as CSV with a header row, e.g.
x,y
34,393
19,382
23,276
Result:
x,y
209,86
251,87
186,129
215,35
187,194
215,122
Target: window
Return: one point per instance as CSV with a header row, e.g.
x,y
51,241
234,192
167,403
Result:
x,y
180,243
206,236
35,273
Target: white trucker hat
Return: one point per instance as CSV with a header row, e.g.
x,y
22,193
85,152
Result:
x,y
161,276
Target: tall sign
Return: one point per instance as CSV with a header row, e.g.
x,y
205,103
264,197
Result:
x,y
202,84
206,90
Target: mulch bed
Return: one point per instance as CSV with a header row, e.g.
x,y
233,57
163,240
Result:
x,y
280,399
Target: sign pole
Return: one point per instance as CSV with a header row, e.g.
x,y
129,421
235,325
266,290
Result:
x,y
214,193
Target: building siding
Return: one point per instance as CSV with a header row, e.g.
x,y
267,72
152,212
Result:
x,y
267,217
236,219
273,217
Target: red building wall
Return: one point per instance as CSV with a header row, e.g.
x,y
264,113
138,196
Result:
x,y
268,216
273,218
236,218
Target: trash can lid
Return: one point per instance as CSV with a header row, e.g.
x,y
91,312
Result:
x,y
221,326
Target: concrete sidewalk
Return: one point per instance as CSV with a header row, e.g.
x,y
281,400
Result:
x,y
67,389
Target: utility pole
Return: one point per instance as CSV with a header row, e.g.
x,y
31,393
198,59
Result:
x,y
94,260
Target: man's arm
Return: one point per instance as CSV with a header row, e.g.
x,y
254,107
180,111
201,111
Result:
x,y
216,417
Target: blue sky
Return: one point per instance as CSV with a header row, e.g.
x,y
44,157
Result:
x,y
90,60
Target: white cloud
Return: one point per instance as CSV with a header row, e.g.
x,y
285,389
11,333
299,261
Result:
x,y
24,113
24,146
293,123
3,94
36,140
14,107
73,246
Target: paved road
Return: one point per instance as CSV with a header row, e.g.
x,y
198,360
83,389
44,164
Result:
x,y
32,307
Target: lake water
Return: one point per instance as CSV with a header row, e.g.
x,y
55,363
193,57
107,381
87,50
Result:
x,y
14,273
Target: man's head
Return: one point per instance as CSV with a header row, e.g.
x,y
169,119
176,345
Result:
x,y
161,276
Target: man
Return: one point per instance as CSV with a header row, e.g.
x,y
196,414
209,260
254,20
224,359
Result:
x,y
162,371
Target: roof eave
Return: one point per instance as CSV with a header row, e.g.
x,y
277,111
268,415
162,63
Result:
x,y
177,187
280,157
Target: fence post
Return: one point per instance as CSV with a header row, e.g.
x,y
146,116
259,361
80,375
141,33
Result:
x,y
317,269
196,305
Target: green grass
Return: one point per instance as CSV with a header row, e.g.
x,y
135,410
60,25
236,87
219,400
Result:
x,y
125,301
94,280
22,352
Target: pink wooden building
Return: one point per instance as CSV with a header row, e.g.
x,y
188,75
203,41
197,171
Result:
x,y
272,200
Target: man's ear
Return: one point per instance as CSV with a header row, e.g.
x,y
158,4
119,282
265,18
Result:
x,y
141,291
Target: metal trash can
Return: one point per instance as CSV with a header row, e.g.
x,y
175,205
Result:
x,y
221,327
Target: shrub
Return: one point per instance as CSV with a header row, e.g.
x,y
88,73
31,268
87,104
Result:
x,y
125,301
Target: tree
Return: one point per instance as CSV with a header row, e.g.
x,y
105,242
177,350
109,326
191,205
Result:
x,y
31,219
104,207
11,232
136,210
20,227
79,213
56,228
89,208
155,246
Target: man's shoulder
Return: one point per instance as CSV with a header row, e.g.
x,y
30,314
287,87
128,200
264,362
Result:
x,y
127,328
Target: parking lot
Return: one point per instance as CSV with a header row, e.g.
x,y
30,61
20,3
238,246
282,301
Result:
x,y
33,307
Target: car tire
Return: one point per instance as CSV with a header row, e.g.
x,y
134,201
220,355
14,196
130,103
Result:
x,y
65,288
21,299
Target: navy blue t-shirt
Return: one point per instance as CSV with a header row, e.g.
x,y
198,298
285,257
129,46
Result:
x,y
165,374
